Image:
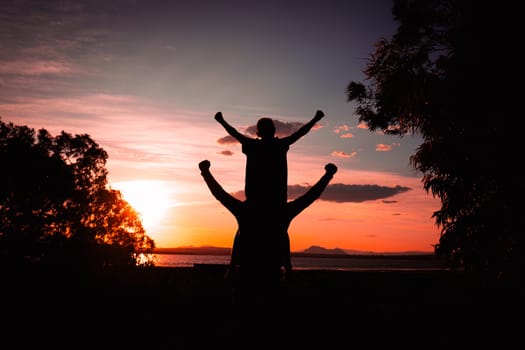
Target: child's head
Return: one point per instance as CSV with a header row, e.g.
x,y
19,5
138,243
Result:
x,y
265,128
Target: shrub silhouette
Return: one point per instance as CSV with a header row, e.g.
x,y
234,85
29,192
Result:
x,y
55,207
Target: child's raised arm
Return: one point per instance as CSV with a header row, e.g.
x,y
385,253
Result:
x,y
230,129
303,130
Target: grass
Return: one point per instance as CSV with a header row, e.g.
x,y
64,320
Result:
x,y
183,308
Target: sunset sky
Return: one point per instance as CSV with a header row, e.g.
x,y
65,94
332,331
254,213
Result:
x,y
145,78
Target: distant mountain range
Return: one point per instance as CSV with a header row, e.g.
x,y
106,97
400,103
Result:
x,y
313,250
339,251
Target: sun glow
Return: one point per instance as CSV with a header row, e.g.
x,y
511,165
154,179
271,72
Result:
x,y
149,198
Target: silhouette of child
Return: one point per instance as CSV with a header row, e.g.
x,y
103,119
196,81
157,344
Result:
x,y
261,245
266,177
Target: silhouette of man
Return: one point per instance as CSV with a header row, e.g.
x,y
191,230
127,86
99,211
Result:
x,y
266,177
261,245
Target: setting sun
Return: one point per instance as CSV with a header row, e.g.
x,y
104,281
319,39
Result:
x,y
150,198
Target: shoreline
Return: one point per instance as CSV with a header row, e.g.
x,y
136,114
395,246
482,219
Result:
x,y
226,252
316,261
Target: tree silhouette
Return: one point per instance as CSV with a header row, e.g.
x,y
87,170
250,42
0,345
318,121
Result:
x,y
55,207
426,79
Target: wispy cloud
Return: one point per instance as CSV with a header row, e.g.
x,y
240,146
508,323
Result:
x,y
227,140
343,193
342,154
128,127
381,147
342,131
226,153
34,67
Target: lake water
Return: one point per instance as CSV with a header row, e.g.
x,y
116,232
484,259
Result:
x,y
313,263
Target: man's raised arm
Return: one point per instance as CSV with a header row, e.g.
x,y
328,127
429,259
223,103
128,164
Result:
x,y
302,202
231,203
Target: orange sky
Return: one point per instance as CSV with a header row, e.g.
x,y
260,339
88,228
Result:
x,y
398,223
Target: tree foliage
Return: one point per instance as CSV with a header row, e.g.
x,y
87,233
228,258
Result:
x,y
56,208
426,80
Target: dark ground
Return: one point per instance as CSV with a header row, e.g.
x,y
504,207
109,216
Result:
x,y
191,308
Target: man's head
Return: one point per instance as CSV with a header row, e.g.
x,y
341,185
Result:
x,y
265,128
